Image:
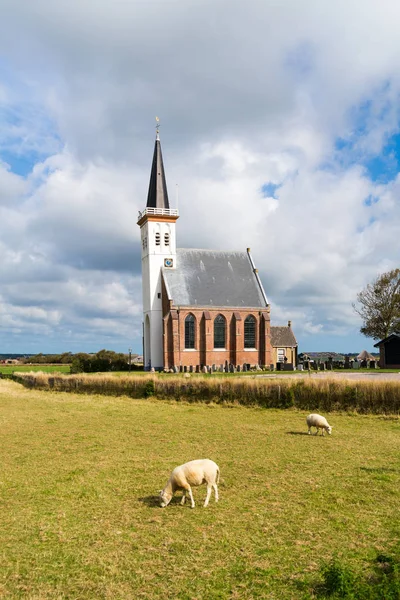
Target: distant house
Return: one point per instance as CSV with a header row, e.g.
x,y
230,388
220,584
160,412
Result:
x,y
389,352
284,344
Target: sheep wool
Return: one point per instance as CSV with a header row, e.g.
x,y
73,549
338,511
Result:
x,y
193,473
319,422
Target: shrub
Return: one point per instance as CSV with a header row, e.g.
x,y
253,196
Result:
x,y
149,388
339,581
102,362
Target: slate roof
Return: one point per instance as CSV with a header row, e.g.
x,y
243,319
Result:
x,y
282,337
158,195
214,278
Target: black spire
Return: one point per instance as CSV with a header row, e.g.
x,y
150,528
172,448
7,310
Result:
x,y
158,195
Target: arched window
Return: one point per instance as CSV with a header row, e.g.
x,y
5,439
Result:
x,y
250,332
189,331
219,331
158,239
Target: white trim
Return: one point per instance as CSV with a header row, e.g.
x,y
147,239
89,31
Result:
x,y
172,212
279,355
250,349
219,349
255,271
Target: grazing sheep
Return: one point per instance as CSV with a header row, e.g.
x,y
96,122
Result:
x,y
192,473
318,422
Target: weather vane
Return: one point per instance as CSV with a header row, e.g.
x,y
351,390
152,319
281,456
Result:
x,y
157,126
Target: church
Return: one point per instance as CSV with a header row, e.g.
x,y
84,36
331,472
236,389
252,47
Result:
x,y
200,307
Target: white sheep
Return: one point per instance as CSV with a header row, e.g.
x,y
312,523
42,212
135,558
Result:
x,y
192,473
319,422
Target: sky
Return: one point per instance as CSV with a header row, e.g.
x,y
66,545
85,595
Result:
x,y
279,129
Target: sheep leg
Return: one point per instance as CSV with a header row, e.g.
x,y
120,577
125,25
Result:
x,y
209,488
309,431
189,489
183,498
215,491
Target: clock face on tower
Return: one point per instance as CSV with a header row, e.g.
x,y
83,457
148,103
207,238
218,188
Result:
x,y
168,262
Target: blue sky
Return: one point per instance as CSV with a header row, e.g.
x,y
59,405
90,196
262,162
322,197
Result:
x,y
280,139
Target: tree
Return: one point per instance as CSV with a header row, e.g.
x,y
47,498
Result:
x,y
379,306
103,361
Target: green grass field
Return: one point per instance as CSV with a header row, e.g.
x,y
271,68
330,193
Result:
x,y
80,475
27,368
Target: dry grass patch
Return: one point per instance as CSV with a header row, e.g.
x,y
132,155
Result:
x,y
304,392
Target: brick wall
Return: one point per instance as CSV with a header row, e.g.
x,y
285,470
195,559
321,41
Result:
x,y
204,353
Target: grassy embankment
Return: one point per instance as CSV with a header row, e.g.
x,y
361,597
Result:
x,y
305,393
79,517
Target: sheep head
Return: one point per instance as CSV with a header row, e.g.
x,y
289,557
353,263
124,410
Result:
x,y
165,498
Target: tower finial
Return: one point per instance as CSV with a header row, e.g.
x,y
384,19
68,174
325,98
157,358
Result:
x,y
157,129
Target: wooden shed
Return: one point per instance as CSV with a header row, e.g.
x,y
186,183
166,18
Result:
x,y
389,351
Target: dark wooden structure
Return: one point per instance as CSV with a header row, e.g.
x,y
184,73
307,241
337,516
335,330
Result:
x,y
389,350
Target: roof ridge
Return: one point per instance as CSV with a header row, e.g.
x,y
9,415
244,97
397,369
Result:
x,y
212,250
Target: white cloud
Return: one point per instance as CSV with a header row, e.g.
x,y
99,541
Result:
x,y
12,187
248,95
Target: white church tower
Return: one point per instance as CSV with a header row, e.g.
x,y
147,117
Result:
x,y
157,229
